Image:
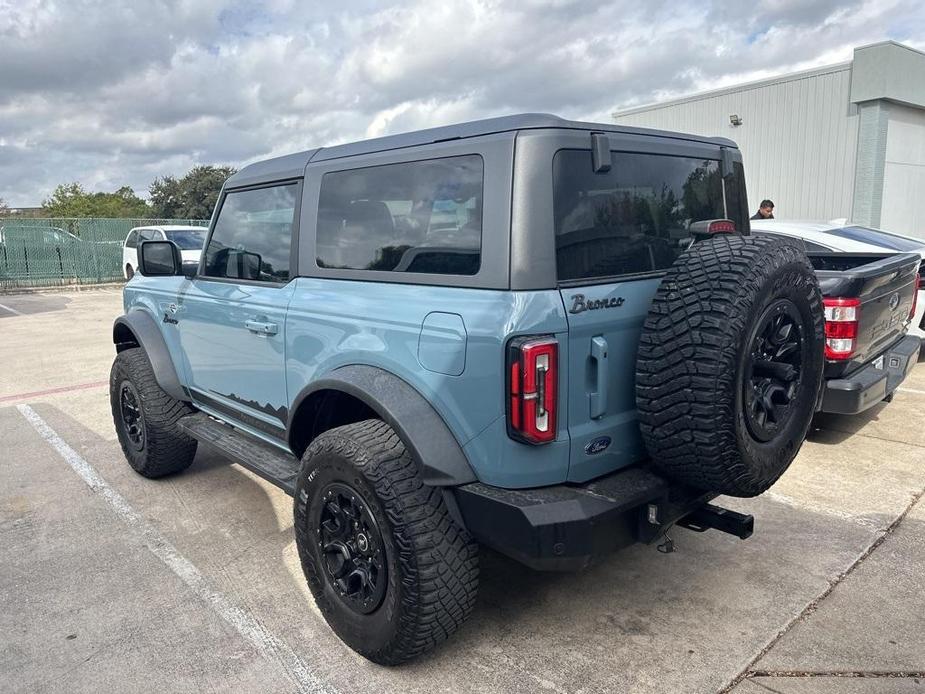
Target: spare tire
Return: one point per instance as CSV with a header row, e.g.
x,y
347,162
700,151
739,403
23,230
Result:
x,y
730,363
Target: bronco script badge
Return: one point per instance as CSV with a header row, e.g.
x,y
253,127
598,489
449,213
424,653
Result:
x,y
580,304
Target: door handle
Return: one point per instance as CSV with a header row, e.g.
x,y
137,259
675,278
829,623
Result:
x,y
598,396
260,327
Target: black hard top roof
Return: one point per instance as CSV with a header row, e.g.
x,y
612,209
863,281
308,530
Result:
x,y
293,165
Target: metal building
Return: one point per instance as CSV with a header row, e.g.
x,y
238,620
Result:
x,y
840,141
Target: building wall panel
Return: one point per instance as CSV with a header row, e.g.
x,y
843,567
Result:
x,y
904,172
798,138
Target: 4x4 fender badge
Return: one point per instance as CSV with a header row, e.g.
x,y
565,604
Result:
x,y
598,445
580,303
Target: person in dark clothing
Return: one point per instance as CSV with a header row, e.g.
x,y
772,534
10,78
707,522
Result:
x,y
765,210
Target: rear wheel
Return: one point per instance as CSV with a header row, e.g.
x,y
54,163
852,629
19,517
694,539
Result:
x,y
390,570
730,364
129,272
146,418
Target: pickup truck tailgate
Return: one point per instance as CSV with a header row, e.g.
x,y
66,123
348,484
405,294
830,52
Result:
x,y
886,288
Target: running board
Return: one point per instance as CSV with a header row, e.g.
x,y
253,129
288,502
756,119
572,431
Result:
x,y
264,459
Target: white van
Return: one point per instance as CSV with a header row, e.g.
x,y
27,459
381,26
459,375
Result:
x,y
190,239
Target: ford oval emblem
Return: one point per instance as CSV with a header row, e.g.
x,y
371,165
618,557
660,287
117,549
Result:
x,y
894,301
598,445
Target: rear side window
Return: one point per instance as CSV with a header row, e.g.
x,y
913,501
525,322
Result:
x,y
252,235
632,219
423,216
875,237
132,240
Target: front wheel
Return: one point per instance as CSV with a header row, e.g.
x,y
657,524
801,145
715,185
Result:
x,y
146,418
390,570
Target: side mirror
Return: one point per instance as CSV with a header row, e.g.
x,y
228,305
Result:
x,y
159,258
250,265
243,265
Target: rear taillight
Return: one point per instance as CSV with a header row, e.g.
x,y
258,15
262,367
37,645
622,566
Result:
x,y
841,327
533,374
915,295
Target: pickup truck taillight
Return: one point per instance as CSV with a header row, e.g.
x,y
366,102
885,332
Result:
x,y
915,295
841,327
533,374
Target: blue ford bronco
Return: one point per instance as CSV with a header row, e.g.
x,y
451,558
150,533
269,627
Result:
x,y
549,337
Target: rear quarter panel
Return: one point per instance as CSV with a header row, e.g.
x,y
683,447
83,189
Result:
x,y
333,323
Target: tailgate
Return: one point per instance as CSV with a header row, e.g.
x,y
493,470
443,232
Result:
x,y
886,289
604,323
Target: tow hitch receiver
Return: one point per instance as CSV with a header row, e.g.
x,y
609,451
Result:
x,y
710,516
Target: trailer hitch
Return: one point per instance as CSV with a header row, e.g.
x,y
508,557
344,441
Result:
x,y
722,519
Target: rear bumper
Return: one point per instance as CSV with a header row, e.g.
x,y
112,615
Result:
x,y
870,384
566,527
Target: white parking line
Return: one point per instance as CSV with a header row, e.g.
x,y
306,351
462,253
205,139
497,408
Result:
x,y
911,390
11,310
267,645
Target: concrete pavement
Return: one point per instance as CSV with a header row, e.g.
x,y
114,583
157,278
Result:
x,y
825,597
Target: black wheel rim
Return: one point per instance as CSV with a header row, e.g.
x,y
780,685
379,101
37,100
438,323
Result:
x,y
133,421
773,370
351,548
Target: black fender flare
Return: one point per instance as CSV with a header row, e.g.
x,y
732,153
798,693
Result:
x,y
147,335
431,443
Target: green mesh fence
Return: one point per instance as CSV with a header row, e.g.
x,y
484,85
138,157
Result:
x,y
51,252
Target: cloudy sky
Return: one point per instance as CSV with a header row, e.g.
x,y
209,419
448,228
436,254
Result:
x,y
109,95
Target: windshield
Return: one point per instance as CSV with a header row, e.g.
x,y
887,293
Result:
x,y
187,239
876,237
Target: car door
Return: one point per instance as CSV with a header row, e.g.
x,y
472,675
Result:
x,y
231,316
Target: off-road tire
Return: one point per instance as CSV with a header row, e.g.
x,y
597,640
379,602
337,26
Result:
x,y
431,562
694,355
165,448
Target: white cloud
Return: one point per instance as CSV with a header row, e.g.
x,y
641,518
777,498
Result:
x,y
109,94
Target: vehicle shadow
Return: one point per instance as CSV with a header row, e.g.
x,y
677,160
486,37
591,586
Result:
x,y
833,429
29,303
638,620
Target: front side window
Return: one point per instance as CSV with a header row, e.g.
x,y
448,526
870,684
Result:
x,y
253,234
52,237
634,218
423,216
